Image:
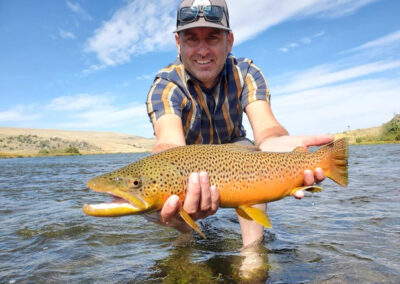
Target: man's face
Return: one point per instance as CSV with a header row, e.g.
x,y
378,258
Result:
x,y
203,52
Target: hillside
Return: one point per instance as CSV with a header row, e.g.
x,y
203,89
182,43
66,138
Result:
x,y
387,133
27,141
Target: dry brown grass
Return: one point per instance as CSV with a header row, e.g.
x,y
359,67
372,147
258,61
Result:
x,y
95,142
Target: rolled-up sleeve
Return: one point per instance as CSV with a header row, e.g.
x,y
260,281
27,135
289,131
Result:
x,y
164,97
255,87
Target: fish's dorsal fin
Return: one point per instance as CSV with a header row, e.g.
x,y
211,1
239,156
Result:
x,y
240,147
185,216
253,213
300,149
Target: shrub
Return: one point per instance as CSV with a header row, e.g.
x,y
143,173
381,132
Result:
x,y
72,150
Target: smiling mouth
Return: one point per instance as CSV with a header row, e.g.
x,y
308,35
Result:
x,y
203,62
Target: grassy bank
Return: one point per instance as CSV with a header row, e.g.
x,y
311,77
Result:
x,y
388,133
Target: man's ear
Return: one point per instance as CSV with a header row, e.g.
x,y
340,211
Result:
x,y
231,39
178,43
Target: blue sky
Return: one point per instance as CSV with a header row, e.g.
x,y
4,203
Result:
x,y
88,64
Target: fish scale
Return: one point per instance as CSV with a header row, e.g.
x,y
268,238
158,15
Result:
x,y
243,175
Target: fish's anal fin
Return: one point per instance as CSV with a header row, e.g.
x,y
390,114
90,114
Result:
x,y
185,216
311,188
243,214
257,215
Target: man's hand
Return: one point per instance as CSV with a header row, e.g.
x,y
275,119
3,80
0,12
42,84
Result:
x,y
289,143
202,200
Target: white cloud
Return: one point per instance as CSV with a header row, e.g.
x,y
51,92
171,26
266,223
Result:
x,y
144,26
387,40
66,35
327,74
78,102
267,13
302,41
141,26
77,9
109,116
331,109
19,113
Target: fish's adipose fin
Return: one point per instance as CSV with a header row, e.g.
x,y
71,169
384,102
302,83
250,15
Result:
x,y
311,188
257,215
241,148
301,150
185,216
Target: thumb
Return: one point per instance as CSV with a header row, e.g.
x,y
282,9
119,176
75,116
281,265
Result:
x,y
169,209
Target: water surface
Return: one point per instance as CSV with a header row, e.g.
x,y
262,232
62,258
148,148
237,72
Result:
x,y
339,235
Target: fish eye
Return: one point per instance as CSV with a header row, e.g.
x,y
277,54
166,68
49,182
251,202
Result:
x,y
136,183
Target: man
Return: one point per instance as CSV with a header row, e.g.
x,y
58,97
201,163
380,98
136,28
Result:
x,y
200,99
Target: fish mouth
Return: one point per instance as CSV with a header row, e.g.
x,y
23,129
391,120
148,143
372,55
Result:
x,y
118,206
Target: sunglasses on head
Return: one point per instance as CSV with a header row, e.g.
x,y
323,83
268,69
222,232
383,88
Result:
x,y
211,13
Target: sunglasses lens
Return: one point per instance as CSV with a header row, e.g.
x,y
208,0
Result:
x,y
213,13
188,14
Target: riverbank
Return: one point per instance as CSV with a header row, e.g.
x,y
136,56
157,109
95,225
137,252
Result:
x,y
30,142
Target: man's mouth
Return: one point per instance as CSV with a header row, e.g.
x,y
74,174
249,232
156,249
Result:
x,y
203,62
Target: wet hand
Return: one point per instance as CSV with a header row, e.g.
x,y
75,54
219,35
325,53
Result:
x,y
289,143
202,200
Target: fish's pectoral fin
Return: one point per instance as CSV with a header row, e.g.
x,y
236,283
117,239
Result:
x,y
243,214
311,188
185,216
257,215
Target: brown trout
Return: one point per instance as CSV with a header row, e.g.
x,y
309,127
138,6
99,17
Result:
x,y
244,176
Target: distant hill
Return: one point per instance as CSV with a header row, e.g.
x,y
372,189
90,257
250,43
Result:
x,y
388,132
28,141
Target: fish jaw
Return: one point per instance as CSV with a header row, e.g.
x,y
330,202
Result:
x,y
124,203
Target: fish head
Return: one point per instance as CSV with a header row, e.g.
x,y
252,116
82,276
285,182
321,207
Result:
x,y
138,188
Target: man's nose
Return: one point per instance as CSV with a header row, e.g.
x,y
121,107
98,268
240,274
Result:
x,y
203,48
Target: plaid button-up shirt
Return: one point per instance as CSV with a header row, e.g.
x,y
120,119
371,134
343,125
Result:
x,y
208,116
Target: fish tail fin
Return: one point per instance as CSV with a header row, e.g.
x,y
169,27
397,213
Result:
x,y
335,164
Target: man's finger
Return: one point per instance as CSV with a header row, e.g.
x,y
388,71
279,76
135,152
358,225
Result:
x,y
169,209
205,202
299,194
308,177
319,175
193,196
214,199
317,140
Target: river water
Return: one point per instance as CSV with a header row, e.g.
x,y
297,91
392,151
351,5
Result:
x,y
340,235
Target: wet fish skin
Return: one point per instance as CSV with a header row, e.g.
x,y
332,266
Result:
x,y
243,175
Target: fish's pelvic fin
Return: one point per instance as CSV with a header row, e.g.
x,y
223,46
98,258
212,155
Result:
x,y
185,216
255,214
311,188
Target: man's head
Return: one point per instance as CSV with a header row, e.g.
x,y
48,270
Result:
x,y
202,13
203,38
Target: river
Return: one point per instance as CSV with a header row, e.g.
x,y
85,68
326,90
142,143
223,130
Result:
x,y
340,235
